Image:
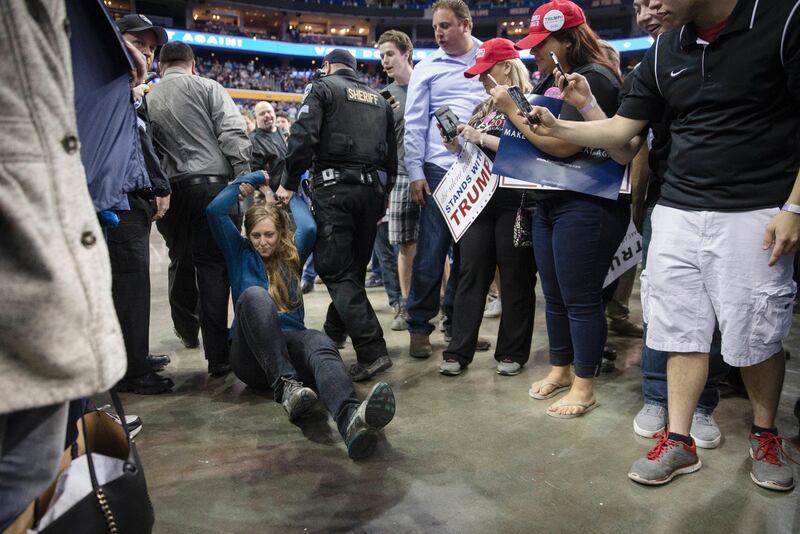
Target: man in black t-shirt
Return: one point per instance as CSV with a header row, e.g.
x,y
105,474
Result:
x,y
733,163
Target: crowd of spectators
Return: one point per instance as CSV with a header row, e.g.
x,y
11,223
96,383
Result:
x,y
254,75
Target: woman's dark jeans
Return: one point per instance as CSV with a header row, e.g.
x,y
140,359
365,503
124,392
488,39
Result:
x,y
262,356
574,239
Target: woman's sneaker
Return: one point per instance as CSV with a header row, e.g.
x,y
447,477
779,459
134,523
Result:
x,y
771,467
650,420
705,431
665,461
297,399
373,414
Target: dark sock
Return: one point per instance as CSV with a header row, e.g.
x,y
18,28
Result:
x,y
680,437
758,430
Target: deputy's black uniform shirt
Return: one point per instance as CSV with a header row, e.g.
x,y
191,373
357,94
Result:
x,y
269,151
342,124
736,130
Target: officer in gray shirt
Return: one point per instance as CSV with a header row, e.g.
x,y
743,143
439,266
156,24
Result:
x,y
200,136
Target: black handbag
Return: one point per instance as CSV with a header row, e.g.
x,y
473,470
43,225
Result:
x,y
121,506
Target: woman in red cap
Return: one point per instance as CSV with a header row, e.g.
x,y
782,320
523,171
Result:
x,y
489,242
574,235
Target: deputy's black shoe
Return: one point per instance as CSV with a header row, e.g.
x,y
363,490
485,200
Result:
x,y
218,369
374,413
158,361
360,372
147,384
190,342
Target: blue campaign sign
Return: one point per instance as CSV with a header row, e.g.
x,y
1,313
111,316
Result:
x,y
590,171
266,46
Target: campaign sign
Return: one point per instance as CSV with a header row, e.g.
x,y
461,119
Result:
x,y
590,171
629,255
465,190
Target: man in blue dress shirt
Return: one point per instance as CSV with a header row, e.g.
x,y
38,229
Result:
x,y
438,80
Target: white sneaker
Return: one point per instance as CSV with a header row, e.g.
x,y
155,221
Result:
x,y
705,431
493,309
650,420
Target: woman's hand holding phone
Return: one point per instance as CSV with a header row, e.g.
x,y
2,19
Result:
x,y
574,88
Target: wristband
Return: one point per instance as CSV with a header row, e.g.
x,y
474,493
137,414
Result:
x,y
794,208
588,107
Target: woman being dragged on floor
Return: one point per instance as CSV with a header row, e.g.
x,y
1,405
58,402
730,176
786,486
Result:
x,y
271,347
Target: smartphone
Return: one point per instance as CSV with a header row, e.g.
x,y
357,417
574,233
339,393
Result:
x,y
522,103
560,68
519,99
448,121
386,94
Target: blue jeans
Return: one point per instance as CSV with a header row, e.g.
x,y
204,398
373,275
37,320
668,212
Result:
x,y
309,273
263,356
574,239
433,244
654,362
386,255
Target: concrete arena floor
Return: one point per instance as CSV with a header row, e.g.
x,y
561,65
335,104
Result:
x,y
471,453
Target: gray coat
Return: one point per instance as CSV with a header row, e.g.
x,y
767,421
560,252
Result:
x,y
59,335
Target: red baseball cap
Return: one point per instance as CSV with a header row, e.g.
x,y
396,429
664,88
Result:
x,y
490,53
549,18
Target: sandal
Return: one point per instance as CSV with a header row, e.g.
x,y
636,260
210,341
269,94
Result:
x,y
544,382
585,408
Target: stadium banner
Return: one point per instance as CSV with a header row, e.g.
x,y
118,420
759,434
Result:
x,y
628,255
465,190
591,171
280,48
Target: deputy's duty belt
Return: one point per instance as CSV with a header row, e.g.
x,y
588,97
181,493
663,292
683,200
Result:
x,y
335,176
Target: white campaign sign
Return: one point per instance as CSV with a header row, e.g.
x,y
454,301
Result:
x,y
465,190
629,254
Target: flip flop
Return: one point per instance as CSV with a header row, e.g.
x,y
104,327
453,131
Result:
x,y
558,389
587,407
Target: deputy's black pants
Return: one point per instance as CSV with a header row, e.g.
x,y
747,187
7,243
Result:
x,y
347,218
129,250
198,279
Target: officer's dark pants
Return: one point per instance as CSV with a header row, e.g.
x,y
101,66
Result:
x,y
129,250
198,279
347,218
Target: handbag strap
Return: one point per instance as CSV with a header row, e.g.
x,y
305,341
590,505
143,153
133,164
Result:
x,y
121,413
102,501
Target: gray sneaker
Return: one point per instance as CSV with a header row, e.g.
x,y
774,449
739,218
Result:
x,y
650,420
705,431
374,413
771,467
400,320
664,462
507,367
297,399
450,367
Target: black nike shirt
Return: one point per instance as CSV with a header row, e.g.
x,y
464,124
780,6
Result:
x,y
736,122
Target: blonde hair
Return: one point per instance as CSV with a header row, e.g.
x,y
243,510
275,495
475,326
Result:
x,y
518,76
283,265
